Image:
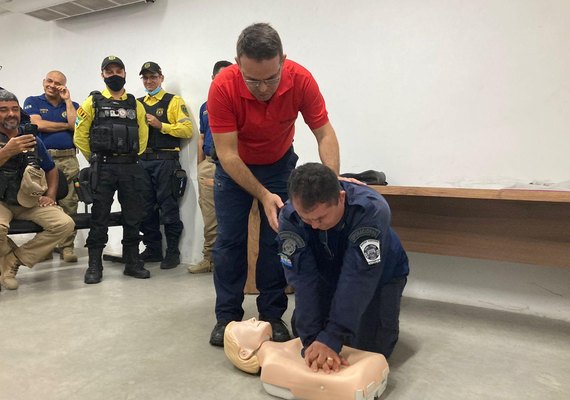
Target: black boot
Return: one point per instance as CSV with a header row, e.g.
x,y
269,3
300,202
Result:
x,y
134,266
152,253
172,258
94,273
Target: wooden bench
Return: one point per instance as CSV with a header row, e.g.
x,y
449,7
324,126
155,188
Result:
x,y
517,225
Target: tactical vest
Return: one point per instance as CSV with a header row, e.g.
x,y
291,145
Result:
x,y
156,139
115,129
11,175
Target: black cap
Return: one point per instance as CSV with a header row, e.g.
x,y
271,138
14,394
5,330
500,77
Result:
x,y
112,60
152,67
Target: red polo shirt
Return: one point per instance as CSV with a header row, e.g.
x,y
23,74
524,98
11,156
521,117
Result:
x,y
265,129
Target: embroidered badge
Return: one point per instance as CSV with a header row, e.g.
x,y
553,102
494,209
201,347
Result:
x,y
81,113
371,251
293,241
64,115
184,110
363,232
131,114
159,112
288,247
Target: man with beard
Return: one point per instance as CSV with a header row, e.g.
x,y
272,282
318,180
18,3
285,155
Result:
x,y
25,163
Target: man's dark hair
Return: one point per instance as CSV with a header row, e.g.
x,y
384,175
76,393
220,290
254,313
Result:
x,y
219,65
8,96
312,184
259,42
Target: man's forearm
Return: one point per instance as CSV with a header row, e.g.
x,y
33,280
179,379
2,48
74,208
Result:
x,y
238,171
328,147
329,153
201,155
71,114
52,180
49,126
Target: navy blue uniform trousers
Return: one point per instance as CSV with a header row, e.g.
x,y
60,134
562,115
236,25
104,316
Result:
x,y
160,204
233,205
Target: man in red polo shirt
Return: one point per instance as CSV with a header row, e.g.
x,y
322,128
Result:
x,y
252,108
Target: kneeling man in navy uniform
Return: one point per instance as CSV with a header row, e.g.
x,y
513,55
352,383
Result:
x,y
346,264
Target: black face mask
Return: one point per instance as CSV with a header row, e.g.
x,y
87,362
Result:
x,y
115,82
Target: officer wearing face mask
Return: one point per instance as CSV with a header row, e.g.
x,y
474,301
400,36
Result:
x,y
111,131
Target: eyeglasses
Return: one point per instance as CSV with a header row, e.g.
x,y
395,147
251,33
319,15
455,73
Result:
x,y
150,77
253,83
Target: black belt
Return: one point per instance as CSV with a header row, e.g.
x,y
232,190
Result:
x,y
160,155
119,159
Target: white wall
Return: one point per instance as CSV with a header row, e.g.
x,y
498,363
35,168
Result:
x,y
432,92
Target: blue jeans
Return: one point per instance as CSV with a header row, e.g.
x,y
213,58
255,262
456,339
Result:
x,y
233,205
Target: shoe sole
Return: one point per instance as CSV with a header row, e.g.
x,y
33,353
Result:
x,y
201,271
9,287
168,266
135,276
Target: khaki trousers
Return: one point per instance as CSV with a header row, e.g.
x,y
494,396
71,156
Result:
x,y
56,224
70,167
206,170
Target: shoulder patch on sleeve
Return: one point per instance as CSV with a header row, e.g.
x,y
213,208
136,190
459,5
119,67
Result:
x,y
290,242
184,110
81,113
364,232
371,251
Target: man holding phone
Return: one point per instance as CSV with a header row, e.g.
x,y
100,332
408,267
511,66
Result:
x,y
28,186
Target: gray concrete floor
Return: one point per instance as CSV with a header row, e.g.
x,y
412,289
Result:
x,y
148,339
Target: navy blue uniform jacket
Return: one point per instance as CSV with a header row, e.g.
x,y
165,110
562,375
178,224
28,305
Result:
x,y
336,273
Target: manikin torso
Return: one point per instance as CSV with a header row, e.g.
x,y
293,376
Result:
x,y
284,373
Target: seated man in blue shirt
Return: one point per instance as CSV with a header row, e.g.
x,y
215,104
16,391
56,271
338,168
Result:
x,y
54,113
20,153
346,264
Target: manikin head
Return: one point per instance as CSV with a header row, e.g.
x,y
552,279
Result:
x,y
242,340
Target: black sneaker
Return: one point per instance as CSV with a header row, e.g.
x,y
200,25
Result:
x,y
217,335
280,330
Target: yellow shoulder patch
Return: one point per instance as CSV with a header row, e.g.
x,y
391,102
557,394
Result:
x,y
81,113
